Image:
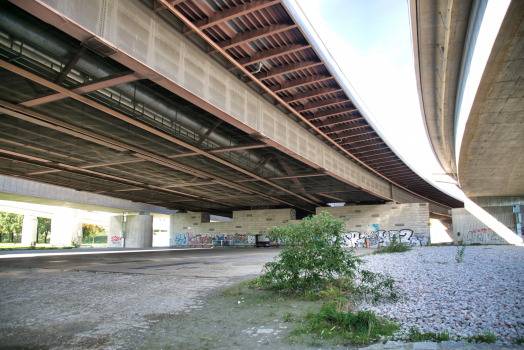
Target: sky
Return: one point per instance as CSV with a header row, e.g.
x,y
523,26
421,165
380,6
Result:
x,y
371,43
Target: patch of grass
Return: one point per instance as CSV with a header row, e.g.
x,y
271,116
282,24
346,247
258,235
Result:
x,y
395,246
519,340
287,316
358,328
442,262
415,335
488,337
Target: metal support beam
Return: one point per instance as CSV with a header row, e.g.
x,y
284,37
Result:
x,y
158,6
319,104
85,88
296,181
261,165
330,112
346,127
233,12
208,132
255,34
34,117
352,133
336,120
67,69
288,68
294,83
311,93
272,53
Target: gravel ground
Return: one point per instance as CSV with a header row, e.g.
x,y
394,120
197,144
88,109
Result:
x,y
483,293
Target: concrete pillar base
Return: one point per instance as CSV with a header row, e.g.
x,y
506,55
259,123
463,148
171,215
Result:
x,y
66,228
130,231
29,226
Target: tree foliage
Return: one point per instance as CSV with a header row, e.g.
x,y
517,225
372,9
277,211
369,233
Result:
x,y
314,256
91,231
11,223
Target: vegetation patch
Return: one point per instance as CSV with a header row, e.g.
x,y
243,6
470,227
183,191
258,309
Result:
x,y
395,246
358,328
314,265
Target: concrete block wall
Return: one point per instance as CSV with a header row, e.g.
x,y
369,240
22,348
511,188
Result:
x,y
197,229
470,229
378,223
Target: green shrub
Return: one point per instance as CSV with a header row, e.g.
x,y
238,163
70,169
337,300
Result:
x,y
313,258
395,246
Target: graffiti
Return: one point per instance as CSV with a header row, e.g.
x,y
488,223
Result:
x,y
484,236
115,239
179,239
251,239
381,238
199,239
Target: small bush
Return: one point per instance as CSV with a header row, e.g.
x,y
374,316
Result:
x,y
359,328
488,337
313,258
395,246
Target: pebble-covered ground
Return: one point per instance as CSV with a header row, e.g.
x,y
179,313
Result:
x,y
483,293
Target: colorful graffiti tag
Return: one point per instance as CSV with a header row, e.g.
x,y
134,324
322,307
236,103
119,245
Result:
x,y
211,239
382,238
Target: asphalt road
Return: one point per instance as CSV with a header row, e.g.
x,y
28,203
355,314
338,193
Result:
x,y
192,262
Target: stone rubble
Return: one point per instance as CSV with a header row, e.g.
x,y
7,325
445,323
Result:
x,y
483,293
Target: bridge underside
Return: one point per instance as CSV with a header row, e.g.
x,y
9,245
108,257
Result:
x,y
103,128
109,142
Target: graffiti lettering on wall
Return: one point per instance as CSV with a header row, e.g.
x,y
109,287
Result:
x,y
382,238
484,236
115,239
211,239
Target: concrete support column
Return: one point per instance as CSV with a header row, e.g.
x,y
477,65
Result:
x,y
29,226
130,231
116,234
139,231
66,227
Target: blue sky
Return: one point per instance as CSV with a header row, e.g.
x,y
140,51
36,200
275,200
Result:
x,y
371,42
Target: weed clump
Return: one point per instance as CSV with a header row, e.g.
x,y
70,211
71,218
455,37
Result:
x,y
415,335
488,337
395,246
359,328
461,251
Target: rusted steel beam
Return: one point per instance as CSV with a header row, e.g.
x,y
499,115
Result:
x,y
158,6
22,158
331,197
23,113
272,53
320,123
233,12
330,112
366,137
288,68
296,181
321,103
311,93
255,34
293,83
363,130
208,132
345,127
67,69
85,88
